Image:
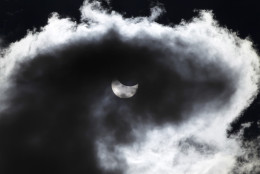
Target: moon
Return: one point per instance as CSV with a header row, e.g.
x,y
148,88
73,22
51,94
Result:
x,y
123,91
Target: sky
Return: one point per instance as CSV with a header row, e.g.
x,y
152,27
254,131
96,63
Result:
x,y
195,110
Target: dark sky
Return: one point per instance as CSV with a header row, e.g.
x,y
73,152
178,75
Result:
x,y
19,16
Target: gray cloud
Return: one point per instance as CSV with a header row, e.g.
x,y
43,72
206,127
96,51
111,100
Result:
x,y
59,114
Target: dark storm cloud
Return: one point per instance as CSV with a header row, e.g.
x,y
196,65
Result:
x,y
51,95
59,103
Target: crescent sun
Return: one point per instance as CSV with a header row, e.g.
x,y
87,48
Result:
x,y
123,91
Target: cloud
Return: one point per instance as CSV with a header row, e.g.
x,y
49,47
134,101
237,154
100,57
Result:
x,y
59,114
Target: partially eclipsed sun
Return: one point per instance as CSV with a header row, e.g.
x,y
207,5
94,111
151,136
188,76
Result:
x,y
123,91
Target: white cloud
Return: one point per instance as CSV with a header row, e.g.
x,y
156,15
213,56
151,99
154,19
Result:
x,y
198,145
